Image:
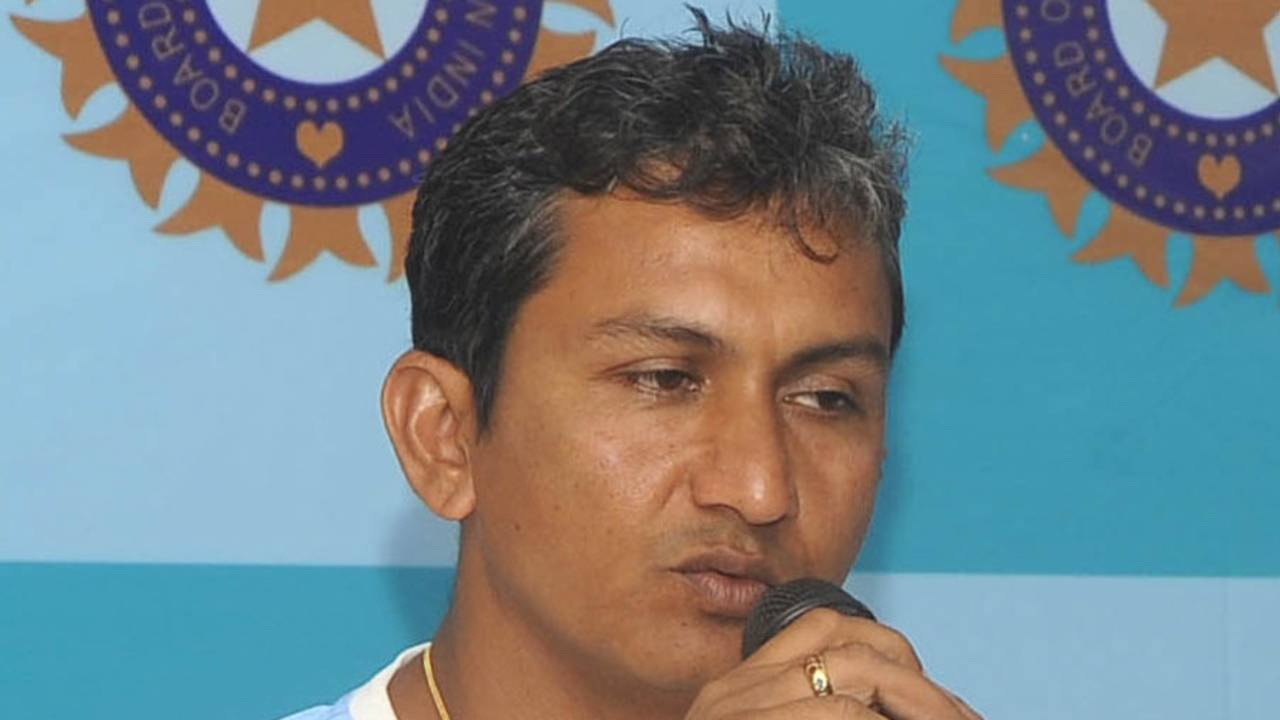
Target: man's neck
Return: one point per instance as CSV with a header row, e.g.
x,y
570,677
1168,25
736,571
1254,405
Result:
x,y
488,663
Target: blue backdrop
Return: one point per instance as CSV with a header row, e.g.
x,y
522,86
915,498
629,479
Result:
x,y
1079,510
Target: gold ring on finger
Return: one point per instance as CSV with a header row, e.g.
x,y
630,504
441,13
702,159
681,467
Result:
x,y
815,671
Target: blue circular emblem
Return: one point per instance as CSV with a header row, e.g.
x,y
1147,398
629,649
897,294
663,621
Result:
x,y
1209,176
346,143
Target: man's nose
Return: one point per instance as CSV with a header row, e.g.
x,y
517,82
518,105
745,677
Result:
x,y
748,471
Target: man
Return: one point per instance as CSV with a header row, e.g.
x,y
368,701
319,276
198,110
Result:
x,y
656,294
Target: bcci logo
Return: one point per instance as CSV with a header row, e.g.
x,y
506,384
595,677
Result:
x,y
1168,108
324,107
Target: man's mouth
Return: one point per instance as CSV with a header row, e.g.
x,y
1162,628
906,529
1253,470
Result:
x,y
725,595
726,583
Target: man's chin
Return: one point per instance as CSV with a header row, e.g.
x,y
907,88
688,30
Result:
x,y
693,651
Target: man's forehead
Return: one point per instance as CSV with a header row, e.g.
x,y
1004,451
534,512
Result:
x,y
627,238
654,232
664,269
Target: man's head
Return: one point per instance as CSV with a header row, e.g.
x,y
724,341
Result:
x,y
655,298
734,124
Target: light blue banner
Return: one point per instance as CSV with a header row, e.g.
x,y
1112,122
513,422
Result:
x,y
258,642
1048,416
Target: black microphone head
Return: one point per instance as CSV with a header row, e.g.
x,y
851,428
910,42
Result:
x,y
783,604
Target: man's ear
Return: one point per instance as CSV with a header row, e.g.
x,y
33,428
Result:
x,y
428,409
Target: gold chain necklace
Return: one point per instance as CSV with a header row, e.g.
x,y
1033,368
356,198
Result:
x,y
431,683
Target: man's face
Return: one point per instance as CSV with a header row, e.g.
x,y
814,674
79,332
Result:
x,y
687,403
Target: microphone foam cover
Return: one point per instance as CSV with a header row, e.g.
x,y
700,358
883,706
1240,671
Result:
x,y
781,605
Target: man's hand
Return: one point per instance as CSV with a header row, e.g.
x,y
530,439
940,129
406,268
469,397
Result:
x,y
874,673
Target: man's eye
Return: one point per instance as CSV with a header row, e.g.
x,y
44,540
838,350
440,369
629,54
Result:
x,y
827,401
663,381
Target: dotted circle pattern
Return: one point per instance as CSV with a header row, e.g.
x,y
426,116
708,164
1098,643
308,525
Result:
x,y
271,162
1174,196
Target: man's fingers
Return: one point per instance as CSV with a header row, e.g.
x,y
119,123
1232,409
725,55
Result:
x,y
872,667
824,628
875,680
857,672
969,712
831,707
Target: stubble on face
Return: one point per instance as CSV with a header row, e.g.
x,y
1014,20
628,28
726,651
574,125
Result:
x,y
681,386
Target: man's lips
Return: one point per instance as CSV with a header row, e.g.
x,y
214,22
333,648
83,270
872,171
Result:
x,y
725,595
727,583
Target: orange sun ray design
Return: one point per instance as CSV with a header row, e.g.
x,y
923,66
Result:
x,y
84,69
1127,235
996,82
1215,259
1048,172
973,15
313,231
130,138
399,211
1218,259
215,204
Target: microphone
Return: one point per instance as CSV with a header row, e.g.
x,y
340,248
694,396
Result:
x,y
783,604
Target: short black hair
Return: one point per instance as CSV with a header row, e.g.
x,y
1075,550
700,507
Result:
x,y
735,121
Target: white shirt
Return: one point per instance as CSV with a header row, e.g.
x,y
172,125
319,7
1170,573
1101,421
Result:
x,y
367,702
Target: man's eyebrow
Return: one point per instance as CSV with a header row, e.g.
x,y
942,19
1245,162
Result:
x,y
667,329
660,328
865,348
